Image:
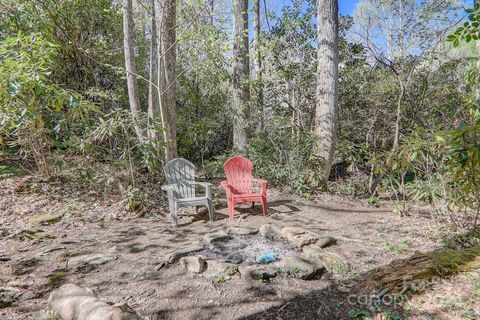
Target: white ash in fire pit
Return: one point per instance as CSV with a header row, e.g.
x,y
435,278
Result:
x,y
244,249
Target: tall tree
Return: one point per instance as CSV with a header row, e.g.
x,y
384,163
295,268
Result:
x,y
241,72
477,44
165,15
129,51
327,86
257,61
153,106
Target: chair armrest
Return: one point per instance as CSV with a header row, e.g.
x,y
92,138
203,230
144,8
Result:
x,y
207,186
263,184
261,181
204,184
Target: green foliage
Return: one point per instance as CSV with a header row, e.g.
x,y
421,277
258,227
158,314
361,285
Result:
x,y
359,314
8,171
284,159
469,30
35,114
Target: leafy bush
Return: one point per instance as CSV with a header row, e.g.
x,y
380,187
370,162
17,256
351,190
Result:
x,y
35,114
283,159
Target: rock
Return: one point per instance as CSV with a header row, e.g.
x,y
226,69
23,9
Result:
x,y
218,236
242,230
235,258
264,273
299,236
92,260
270,231
183,252
333,262
45,219
75,303
218,267
300,267
194,264
325,242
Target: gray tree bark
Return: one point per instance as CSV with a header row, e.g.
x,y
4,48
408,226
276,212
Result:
x,y
153,103
165,12
129,51
327,87
257,61
241,72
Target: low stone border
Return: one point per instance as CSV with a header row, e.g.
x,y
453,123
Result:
x,y
310,263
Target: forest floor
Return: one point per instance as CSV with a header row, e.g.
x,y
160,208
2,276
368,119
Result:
x,y
130,251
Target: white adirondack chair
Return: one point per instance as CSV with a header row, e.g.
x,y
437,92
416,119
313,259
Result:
x,y
180,174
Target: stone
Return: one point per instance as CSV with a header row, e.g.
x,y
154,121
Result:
x,y
263,273
183,252
218,267
242,230
270,231
325,242
300,267
333,262
92,260
299,236
219,236
235,258
195,264
45,219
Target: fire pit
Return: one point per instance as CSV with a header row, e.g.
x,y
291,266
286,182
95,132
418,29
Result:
x,y
223,253
245,249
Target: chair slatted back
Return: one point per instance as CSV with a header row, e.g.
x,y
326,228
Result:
x,y
239,174
182,173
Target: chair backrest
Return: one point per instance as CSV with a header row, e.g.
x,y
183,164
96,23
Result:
x,y
238,170
181,172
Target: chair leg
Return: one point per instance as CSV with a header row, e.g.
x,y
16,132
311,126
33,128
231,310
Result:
x,y
253,204
231,208
264,206
211,209
173,212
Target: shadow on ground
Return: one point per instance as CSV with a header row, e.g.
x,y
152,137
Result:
x,y
378,291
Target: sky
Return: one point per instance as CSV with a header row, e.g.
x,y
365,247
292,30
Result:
x,y
344,6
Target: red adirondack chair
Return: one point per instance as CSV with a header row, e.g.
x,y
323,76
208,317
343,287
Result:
x,y
239,184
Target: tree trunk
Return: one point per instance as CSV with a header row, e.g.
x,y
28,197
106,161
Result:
x,y
477,44
153,106
165,12
241,71
327,87
129,51
257,61
212,11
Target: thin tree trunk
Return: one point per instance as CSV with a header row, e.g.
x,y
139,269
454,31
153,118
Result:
x,y
129,50
212,11
241,72
327,87
166,32
257,61
153,103
477,44
398,119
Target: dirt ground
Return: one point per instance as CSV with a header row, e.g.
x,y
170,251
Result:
x,y
132,250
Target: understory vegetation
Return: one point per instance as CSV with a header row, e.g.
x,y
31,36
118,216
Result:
x,y
408,124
